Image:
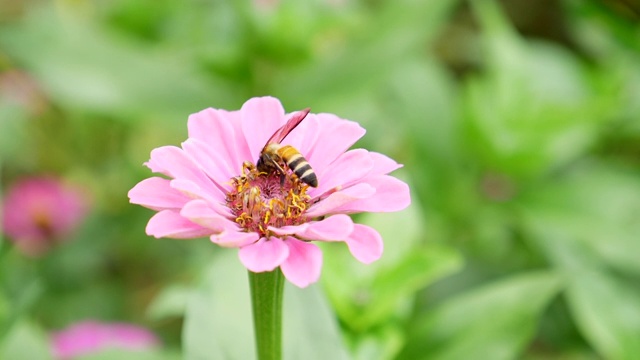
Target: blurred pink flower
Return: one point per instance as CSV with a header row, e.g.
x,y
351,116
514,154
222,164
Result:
x,y
91,337
38,212
271,218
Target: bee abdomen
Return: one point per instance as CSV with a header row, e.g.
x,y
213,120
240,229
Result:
x,y
299,165
306,174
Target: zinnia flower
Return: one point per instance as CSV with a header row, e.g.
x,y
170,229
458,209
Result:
x,y
215,190
39,212
92,337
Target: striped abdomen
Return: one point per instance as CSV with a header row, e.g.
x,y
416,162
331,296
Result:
x,y
298,164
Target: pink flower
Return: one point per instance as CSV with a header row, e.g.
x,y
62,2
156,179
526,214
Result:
x,y
215,190
39,212
91,337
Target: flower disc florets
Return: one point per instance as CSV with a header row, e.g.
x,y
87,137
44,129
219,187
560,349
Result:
x,y
260,200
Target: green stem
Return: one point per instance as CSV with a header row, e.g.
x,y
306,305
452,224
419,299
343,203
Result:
x,y
266,297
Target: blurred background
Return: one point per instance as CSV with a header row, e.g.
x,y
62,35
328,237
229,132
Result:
x,y
518,124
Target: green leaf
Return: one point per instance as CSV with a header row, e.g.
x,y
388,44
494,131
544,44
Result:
x,y
597,205
21,286
12,131
382,344
218,322
5,311
310,327
605,307
374,293
170,302
535,107
423,94
495,321
375,302
121,354
606,311
356,62
82,66
25,341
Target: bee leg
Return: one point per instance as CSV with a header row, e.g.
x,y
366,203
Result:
x,y
283,173
280,168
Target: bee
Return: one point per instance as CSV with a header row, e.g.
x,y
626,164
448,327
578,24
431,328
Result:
x,y
273,155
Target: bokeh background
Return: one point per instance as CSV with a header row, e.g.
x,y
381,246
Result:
x,y
518,123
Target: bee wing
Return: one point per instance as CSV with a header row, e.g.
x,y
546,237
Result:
x,y
291,124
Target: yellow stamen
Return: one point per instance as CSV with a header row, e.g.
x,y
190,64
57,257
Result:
x,y
260,200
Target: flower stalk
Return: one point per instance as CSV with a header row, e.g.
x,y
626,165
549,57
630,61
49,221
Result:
x,y
267,290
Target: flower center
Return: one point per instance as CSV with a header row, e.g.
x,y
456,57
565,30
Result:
x,y
260,200
43,222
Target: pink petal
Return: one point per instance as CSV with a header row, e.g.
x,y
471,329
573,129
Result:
x,y
344,171
289,230
156,193
336,227
264,255
156,167
391,195
365,244
169,223
90,337
304,264
242,148
189,189
261,117
217,167
234,238
30,201
172,161
192,190
214,128
199,212
333,228
335,136
382,164
339,199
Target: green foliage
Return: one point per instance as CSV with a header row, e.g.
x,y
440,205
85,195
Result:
x,y
518,126
25,341
495,322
